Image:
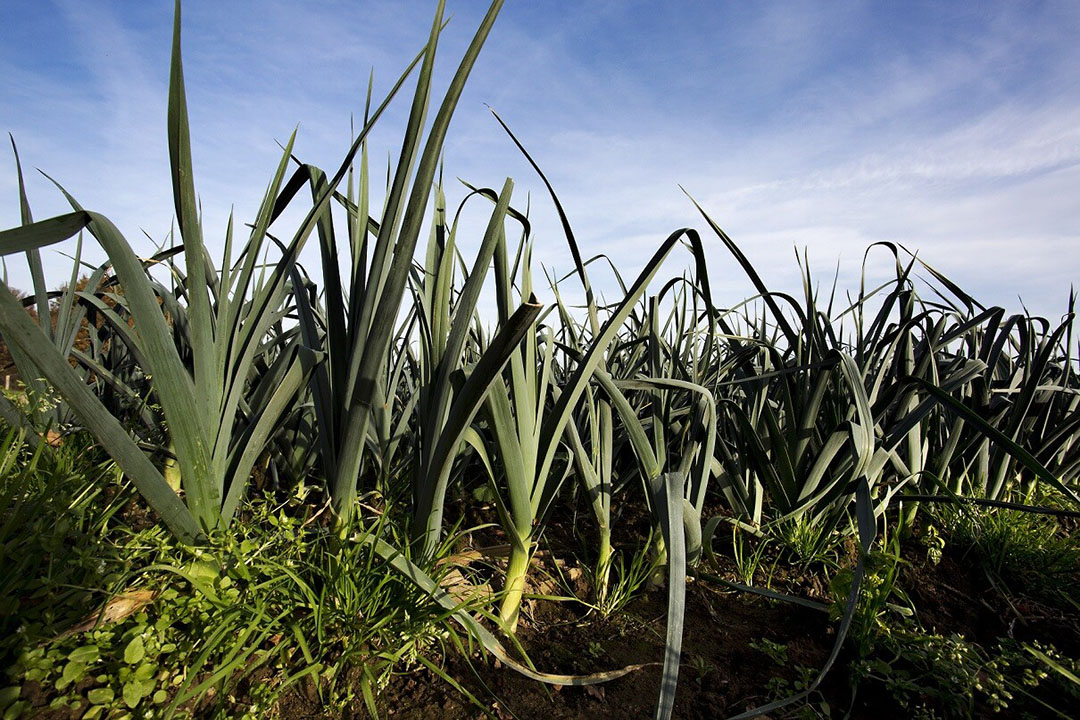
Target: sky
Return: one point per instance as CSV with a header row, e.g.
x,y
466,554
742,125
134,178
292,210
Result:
x,y
952,128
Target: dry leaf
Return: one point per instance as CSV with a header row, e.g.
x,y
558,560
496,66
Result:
x,y
461,589
118,608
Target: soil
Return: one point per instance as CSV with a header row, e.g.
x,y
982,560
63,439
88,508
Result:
x,y
959,596
721,674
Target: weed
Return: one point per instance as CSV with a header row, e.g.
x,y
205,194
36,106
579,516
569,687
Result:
x,y
935,545
777,652
879,596
183,629
628,581
747,555
1028,551
808,542
950,674
935,675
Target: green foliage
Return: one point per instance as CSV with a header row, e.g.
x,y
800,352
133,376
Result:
x,y
812,707
939,675
807,542
945,676
1029,552
55,507
881,599
628,580
935,544
777,652
278,593
748,555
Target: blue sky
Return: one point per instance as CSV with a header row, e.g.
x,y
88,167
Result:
x,y
951,128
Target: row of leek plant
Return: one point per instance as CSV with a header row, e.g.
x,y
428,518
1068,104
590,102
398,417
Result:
x,y
925,397
802,413
807,419
230,376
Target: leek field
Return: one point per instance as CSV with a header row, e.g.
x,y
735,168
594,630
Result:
x,y
239,487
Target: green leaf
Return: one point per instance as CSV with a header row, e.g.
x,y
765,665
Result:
x,y
73,672
42,233
667,492
206,570
16,710
85,654
135,651
9,695
208,381
101,696
136,690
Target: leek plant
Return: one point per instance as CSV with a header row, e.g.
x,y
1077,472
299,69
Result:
x,y
217,422
445,411
61,327
361,310
527,429
219,418
1028,392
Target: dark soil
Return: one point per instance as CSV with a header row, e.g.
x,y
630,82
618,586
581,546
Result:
x,y
960,596
721,674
